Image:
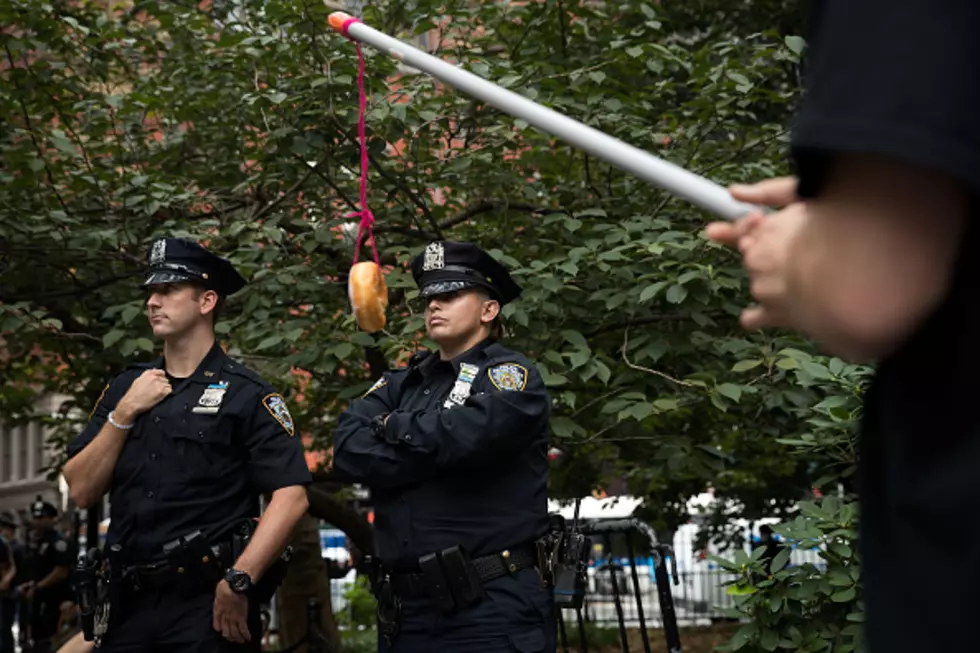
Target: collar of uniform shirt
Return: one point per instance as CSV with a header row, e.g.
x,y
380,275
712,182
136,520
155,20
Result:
x,y
475,353
207,370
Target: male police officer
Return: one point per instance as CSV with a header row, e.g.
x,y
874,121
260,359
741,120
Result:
x,y
185,445
13,573
454,449
46,583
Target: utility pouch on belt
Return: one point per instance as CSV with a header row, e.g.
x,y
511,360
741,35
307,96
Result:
x,y
436,583
463,580
193,557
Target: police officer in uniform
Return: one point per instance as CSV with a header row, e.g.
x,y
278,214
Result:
x,y
46,585
454,450
12,564
185,446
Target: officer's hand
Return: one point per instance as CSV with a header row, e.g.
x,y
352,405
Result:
x,y
146,392
231,614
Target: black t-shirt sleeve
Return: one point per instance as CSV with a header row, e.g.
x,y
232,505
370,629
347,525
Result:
x,y
113,392
275,452
893,78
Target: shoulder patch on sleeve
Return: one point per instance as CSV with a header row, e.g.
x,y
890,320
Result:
x,y
380,383
99,400
508,376
276,406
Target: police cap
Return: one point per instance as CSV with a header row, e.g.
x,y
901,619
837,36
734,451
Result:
x,y
41,508
172,260
7,519
446,266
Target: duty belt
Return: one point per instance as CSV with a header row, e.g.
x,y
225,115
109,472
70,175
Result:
x,y
415,585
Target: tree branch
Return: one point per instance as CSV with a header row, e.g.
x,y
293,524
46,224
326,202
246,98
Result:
x,y
282,198
640,368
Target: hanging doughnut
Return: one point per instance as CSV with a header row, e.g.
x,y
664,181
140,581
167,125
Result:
x,y
368,295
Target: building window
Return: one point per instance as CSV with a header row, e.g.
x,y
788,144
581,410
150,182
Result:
x,y
39,460
23,446
5,462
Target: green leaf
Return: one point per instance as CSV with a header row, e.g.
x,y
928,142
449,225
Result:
x,y
844,596
651,291
730,390
795,44
111,338
60,141
723,563
746,365
770,640
602,371
269,342
343,351
676,294
742,637
597,76
781,558
362,338
575,338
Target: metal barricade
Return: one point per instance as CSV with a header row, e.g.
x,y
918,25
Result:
x,y
604,531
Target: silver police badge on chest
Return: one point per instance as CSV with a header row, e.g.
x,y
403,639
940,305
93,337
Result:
x,y
463,386
210,401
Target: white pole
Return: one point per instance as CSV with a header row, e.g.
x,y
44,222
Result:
x,y
696,189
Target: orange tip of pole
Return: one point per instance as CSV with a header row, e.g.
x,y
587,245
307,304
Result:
x,y
337,20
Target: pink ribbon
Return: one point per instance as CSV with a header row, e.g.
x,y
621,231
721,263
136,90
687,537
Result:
x,y
367,218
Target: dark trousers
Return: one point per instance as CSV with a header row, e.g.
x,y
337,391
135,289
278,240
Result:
x,y
44,616
8,615
516,615
168,621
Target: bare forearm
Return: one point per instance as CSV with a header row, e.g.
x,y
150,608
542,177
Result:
x,y
89,472
57,575
287,507
876,257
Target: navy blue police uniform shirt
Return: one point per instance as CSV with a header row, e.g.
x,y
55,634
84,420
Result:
x,y
870,90
200,458
48,552
463,459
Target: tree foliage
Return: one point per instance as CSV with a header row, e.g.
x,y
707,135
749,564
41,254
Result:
x,y
235,123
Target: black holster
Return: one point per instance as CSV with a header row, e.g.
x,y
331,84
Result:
x,y
85,584
389,609
266,586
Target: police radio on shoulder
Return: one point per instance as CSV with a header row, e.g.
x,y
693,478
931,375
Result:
x,y
121,427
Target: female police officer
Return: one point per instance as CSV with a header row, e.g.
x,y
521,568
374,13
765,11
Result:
x,y
454,450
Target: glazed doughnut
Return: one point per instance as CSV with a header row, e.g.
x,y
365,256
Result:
x,y
368,295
